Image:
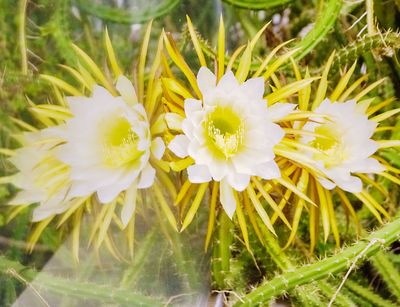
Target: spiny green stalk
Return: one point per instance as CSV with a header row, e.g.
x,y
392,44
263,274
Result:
x,y
275,251
323,24
87,291
124,16
307,294
146,244
388,41
58,28
367,294
388,273
257,4
221,255
341,300
185,261
360,301
186,268
322,269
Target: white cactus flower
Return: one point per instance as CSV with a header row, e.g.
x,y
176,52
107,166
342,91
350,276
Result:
x,y
345,145
229,134
109,144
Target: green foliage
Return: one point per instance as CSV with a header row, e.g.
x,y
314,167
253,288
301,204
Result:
x,y
323,268
120,15
176,265
258,4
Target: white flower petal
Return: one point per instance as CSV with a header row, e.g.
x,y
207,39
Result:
x,y
54,205
327,184
146,177
100,93
25,197
108,193
139,108
268,170
179,145
280,110
228,83
363,106
174,121
191,106
227,198
352,185
238,181
217,168
198,173
254,89
81,188
129,205
77,103
369,165
206,80
126,89
39,215
157,148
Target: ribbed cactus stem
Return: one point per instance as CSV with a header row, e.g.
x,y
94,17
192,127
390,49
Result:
x,y
322,269
389,41
305,294
388,273
221,256
323,25
367,294
73,288
341,300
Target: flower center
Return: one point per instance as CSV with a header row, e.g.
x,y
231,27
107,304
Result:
x,y
225,130
120,143
331,148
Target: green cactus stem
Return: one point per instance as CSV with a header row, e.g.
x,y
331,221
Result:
x,y
322,269
388,273
367,294
72,288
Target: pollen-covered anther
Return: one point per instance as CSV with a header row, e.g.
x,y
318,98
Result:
x,y
226,134
120,146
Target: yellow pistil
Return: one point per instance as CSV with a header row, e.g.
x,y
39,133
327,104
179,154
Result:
x,y
120,143
225,131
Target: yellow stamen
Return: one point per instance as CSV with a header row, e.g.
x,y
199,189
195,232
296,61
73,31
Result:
x,y
225,131
120,143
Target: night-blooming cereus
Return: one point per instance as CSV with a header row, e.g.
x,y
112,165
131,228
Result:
x,y
337,151
108,145
344,145
229,134
101,142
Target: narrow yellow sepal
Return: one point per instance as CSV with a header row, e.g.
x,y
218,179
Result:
x,y
111,55
195,206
